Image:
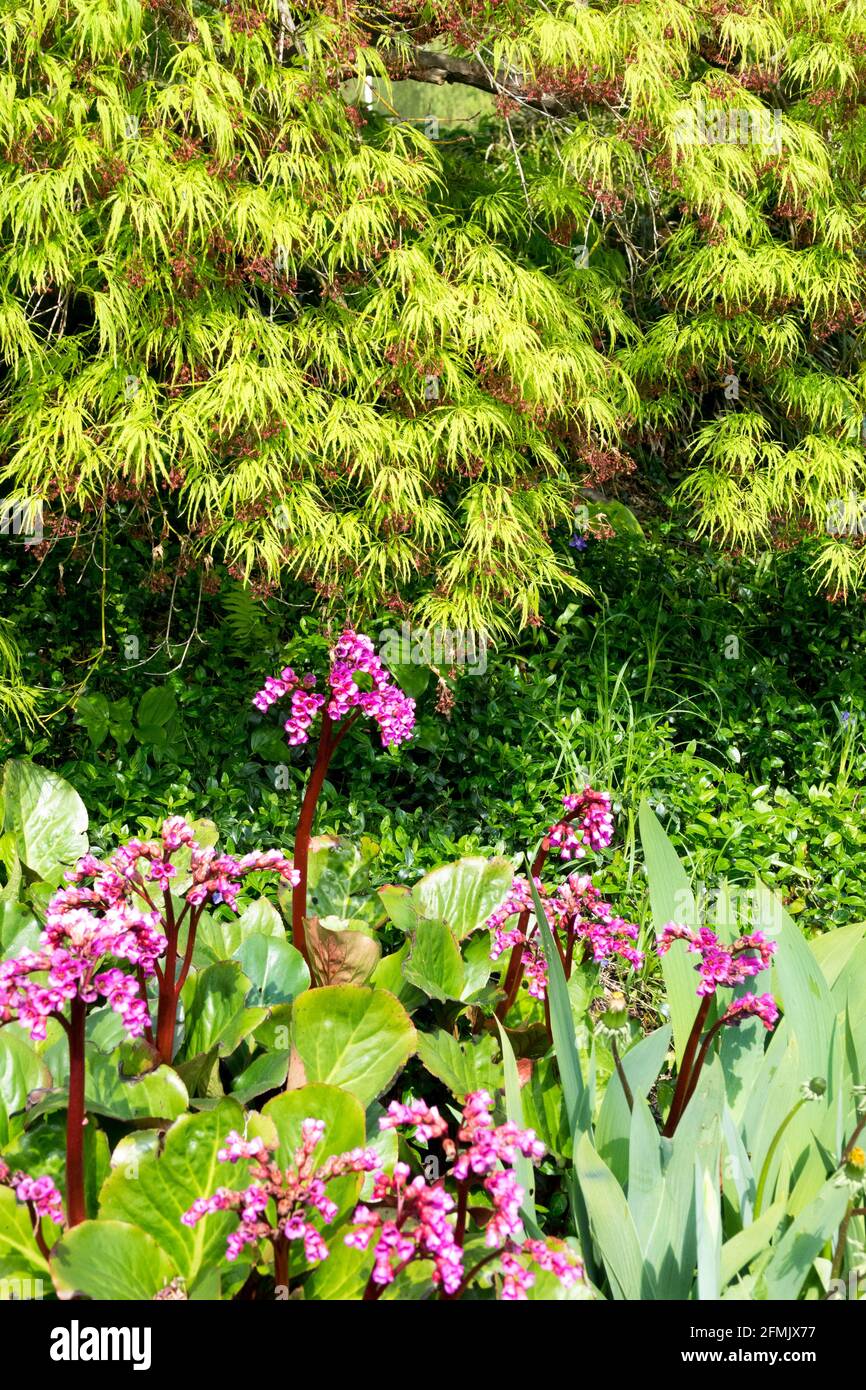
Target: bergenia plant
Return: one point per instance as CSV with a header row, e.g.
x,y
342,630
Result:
x,y
352,659
579,918
718,965
419,1219
280,1203
103,939
405,1219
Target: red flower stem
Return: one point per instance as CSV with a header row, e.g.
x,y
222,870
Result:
x,y
170,983
75,1117
620,1071
166,1014
462,1210
343,730
514,973
467,1278
37,1231
374,1291
558,944
852,1142
678,1102
190,947
300,859
281,1263
698,1067
139,888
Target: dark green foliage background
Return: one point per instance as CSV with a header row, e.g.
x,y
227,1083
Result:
x,y
747,759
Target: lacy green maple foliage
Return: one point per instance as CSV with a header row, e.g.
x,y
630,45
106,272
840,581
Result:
x,y
299,336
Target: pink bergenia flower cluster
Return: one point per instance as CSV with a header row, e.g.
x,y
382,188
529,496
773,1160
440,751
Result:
x,y
580,902
575,908
588,823
107,916
298,1193
517,901
77,940
424,1217
487,1147
762,1006
427,1121
720,965
419,1229
353,654
216,878
517,1278
40,1194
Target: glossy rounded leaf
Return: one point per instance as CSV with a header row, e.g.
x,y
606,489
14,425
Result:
x,y
19,1254
278,971
111,1261
352,1037
154,1190
465,893
45,815
21,1071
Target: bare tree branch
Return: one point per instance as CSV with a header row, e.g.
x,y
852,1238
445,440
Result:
x,y
442,69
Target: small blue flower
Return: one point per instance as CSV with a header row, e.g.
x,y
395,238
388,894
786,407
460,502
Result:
x,y
578,542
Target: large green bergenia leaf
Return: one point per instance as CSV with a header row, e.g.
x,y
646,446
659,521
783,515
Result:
x,y
389,974
45,815
352,1037
342,1277
111,1261
19,929
217,1015
125,1084
155,1192
219,938
278,971
21,1071
342,952
124,1094
339,882
462,894
435,964
462,1066
41,1149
